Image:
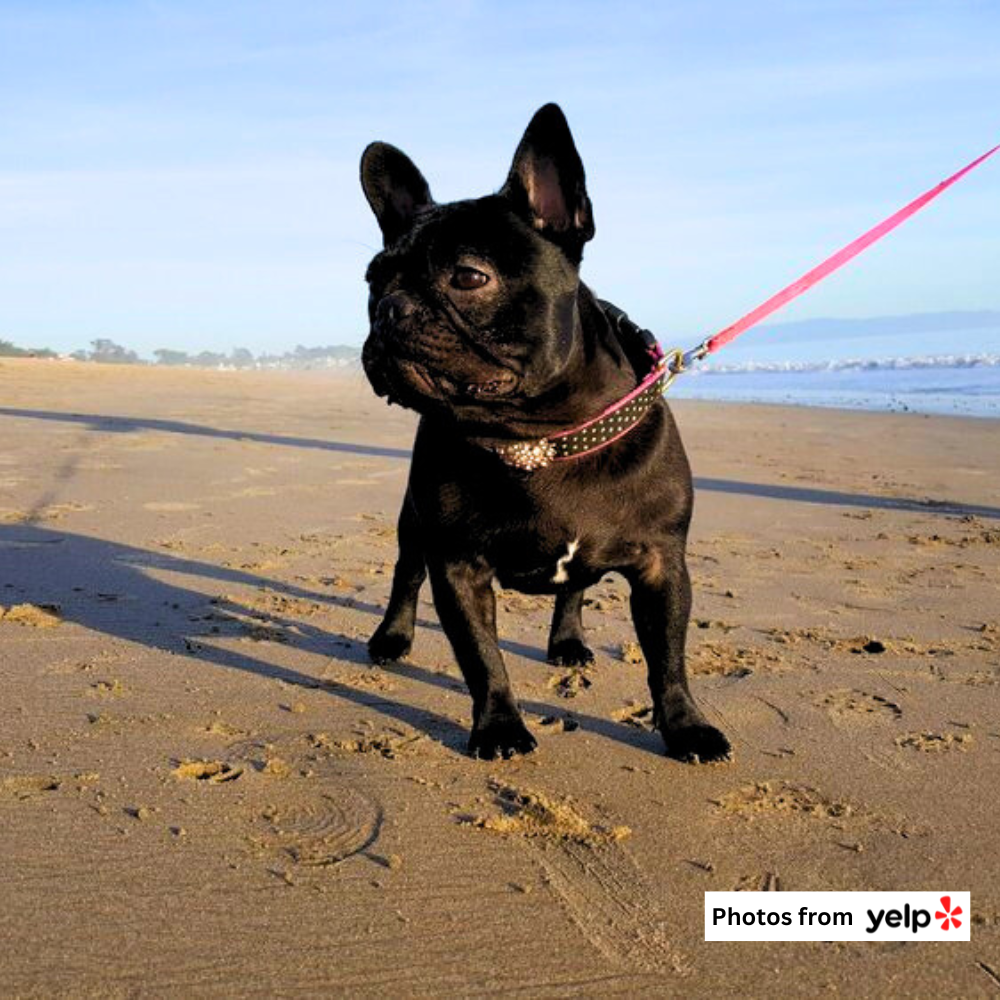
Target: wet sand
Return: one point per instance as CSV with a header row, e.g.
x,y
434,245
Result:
x,y
206,790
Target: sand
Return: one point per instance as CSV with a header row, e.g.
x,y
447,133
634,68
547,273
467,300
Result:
x,y
206,790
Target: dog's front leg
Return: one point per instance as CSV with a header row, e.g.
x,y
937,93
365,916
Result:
x,y
466,605
661,605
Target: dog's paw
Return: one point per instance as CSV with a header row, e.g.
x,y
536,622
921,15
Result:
x,y
503,737
387,647
570,653
698,743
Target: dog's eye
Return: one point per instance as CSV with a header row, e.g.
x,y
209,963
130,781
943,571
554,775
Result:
x,y
468,279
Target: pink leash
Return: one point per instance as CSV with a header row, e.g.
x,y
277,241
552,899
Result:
x,y
620,417
818,273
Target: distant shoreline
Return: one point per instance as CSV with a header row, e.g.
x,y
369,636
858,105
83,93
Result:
x,y
874,392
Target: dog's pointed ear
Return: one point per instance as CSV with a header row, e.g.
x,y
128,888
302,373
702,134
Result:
x,y
394,187
546,183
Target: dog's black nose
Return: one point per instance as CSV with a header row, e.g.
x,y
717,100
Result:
x,y
393,308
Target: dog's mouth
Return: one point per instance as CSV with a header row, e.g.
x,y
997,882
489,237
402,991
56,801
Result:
x,y
448,385
406,378
502,385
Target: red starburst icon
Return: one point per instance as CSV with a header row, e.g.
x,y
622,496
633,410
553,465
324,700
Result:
x,y
949,916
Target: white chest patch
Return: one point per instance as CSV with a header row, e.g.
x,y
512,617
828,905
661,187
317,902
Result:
x,y
563,561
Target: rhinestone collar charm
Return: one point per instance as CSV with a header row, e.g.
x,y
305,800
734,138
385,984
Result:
x,y
528,455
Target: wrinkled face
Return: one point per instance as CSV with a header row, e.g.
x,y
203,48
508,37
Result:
x,y
472,312
473,304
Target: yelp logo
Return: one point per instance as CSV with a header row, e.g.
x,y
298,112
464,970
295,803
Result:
x,y
913,919
947,915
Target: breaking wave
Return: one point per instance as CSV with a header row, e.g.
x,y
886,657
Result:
x,y
854,364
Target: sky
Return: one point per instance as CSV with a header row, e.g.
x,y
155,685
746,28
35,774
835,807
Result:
x,y
184,174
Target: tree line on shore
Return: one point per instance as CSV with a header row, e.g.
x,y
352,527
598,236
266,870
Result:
x,y
105,351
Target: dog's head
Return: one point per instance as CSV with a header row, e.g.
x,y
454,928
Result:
x,y
473,304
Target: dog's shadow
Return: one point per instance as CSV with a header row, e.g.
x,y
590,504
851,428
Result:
x,y
106,423
128,593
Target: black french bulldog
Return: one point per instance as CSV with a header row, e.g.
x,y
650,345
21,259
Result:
x,y
480,323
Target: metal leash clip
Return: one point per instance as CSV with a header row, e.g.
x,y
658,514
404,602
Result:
x,y
678,361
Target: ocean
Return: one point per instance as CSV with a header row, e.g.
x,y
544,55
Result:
x,y
972,391
954,367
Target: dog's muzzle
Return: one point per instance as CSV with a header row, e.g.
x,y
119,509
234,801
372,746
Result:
x,y
394,362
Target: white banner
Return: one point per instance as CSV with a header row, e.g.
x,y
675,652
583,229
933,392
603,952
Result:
x,y
837,916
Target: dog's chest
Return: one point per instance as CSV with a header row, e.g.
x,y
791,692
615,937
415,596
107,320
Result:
x,y
542,563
